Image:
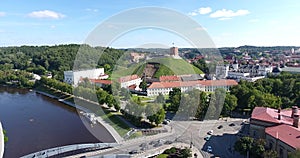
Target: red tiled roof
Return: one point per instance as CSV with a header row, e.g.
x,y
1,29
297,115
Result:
x,y
218,82
286,133
271,115
128,78
107,82
132,86
192,83
169,78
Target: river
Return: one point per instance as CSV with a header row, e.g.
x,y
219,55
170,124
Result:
x,y
35,122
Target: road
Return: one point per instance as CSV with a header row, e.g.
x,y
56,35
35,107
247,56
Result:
x,y
183,132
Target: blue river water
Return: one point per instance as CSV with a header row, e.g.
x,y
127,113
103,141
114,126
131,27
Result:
x,y
35,122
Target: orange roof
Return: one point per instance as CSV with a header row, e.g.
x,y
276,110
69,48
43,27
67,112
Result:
x,y
286,133
192,83
169,78
218,82
128,78
107,82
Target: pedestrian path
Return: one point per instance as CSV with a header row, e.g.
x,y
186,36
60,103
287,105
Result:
x,y
1,141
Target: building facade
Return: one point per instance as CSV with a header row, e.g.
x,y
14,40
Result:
x,y
206,85
129,81
280,128
73,77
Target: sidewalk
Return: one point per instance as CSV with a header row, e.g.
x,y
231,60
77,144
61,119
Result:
x,y
161,149
1,141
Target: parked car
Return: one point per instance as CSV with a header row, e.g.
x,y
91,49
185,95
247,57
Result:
x,y
207,138
221,126
211,132
232,124
133,152
209,149
157,145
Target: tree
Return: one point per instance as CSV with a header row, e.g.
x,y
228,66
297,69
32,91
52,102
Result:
x,y
125,93
160,99
243,145
294,154
258,148
158,117
174,97
107,68
186,152
143,85
230,104
5,136
109,100
270,154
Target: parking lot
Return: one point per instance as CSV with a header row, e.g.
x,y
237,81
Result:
x,y
219,138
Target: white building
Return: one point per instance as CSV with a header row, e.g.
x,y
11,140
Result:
x,y
73,77
206,85
237,75
243,71
222,71
129,81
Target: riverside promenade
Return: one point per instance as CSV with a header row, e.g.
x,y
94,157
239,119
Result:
x,y
106,125
1,141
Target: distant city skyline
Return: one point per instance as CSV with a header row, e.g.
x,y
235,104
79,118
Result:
x,y
229,23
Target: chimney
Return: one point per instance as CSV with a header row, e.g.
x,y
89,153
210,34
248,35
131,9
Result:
x,y
279,116
294,111
296,120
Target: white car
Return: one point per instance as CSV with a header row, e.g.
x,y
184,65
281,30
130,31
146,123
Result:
x,y
209,149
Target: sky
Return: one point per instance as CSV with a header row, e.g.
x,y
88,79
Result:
x,y
228,23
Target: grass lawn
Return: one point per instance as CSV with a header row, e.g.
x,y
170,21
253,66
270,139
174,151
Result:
x,y
135,97
136,134
162,156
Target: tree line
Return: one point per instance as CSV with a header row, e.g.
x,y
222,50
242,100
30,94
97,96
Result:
x,y
56,59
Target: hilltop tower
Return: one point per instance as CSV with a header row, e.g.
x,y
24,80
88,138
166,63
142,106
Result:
x,y
174,51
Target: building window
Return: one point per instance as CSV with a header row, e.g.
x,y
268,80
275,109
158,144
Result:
x,y
281,153
271,145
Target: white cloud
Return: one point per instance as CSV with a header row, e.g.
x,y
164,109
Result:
x,y
91,10
225,14
193,13
225,19
204,10
46,14
2,14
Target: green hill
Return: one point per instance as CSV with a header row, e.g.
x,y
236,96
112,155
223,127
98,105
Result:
x,y
171,66
168,66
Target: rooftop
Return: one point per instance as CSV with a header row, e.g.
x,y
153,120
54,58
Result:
x,y
271,115
106,82
192,83
286,133
128,78
169,78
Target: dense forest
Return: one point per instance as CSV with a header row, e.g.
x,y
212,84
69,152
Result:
x,y
56,59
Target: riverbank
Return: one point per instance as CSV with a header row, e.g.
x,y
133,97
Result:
x,y
100,120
